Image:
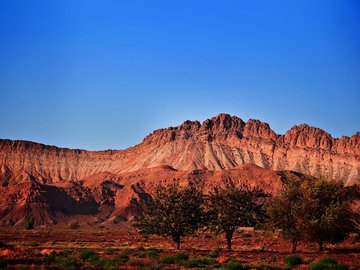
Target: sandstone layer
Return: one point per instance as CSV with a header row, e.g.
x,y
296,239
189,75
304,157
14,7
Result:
x,y
57,185
220,143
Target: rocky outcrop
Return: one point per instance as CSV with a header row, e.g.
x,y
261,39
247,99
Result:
x,y
107,199
220,143
104,187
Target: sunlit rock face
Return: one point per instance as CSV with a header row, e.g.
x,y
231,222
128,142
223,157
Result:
x,y
220,143
104,187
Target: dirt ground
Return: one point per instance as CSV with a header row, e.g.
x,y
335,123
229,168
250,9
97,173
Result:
x,y
62,249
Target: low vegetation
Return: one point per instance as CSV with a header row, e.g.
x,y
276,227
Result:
x,y
303,207
293,260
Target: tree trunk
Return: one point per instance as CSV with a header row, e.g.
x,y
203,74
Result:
x,y
229,235
177,241
294,246
321,247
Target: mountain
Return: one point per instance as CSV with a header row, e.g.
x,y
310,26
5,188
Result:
x,y
220,143
56,184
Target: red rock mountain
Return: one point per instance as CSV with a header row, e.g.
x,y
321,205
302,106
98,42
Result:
x,y
58,183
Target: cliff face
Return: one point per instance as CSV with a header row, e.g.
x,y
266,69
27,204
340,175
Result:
x,y
56,185
220,143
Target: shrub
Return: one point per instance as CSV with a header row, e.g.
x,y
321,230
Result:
x,y
152,266
153,249
206,261
110,264
152,253
128,250
73,225
264,267
328,264
30,222
50,258
122,257
136,262
293,260
234,266
68,263
31,244
319,266
193,263
181,257
168,260
89,255
338,267
328,261
67,252
199,261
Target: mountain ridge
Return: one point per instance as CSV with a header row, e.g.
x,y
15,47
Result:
x,y
220,143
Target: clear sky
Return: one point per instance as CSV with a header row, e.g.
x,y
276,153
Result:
x,y
104,74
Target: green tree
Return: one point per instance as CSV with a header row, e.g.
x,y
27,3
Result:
x,y
327,210
172,211
314,209
233,207
285,211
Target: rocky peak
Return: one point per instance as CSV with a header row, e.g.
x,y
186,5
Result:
x,y
257,129
307,136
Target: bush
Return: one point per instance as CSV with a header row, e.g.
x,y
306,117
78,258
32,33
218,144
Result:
x,y
67,263
89,255
293,260
73,225
168,260
136,263
328,261
31,244
319,266
212,255
152,253
328,264
181,257
199,261
67,252
206,261
110,264
234,266
30,222
193,263
339,267
122,257
152,266
50,258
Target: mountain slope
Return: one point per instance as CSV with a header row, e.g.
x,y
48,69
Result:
x,y
220,143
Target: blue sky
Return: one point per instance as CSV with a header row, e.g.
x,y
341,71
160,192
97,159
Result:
x,y
104,74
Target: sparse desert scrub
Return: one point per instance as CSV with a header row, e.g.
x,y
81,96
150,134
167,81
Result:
x,y
244,252
293,260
